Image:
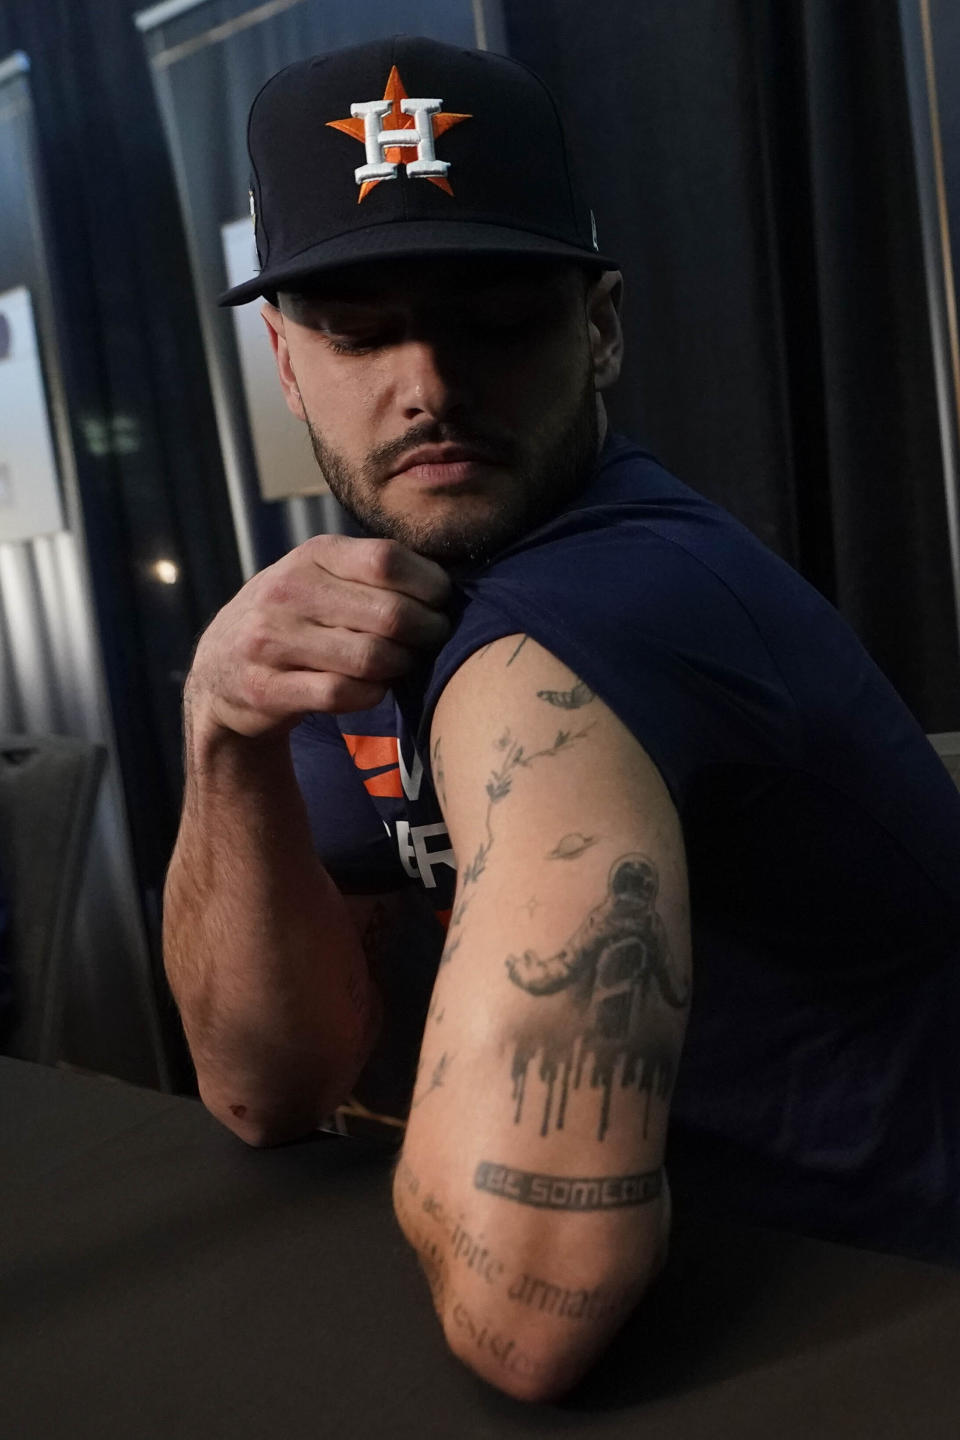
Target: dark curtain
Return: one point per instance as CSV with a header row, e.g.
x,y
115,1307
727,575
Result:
x,y
150,475
752,164
148,460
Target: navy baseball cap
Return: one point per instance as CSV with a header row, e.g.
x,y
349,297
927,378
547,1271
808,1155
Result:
x,y
407,147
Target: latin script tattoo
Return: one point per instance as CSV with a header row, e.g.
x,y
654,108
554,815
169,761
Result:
x,y
468,1248
616,969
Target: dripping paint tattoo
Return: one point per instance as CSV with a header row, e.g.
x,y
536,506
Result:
x,y
617,971
568,699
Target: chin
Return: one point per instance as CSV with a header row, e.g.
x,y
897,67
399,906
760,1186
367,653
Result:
x,y
455,538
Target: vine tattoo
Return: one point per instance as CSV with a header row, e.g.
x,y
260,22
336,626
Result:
x,y
439,779
436,1079
498,787
617,971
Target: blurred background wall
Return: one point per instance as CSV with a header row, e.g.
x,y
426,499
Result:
x,y
753,162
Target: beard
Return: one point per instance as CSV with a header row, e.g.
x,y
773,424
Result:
x,y
547,471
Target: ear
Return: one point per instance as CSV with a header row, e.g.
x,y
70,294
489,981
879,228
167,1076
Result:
x,y
276,330
603,321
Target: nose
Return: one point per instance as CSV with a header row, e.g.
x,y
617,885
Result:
x,y
429,384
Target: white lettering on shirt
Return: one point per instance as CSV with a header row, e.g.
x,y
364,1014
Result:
x,y
413,778
418,862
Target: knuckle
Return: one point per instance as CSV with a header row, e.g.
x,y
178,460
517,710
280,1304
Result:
x,y
256,688
327,692
391,616
260,644
367,655
344,693
385,559
334,690
379,659
278,591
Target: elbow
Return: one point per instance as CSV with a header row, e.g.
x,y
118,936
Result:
x,y
533,1368
539,1356
262,1125
265,1134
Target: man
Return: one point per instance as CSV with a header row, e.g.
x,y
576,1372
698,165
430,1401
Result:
x,y
565,710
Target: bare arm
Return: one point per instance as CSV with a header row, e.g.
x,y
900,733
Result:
x,y
263,954
531,1183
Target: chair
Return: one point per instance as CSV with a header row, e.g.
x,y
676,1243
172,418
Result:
x,y
947,746
48,790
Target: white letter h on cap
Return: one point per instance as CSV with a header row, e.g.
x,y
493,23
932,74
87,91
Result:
x,y
426,165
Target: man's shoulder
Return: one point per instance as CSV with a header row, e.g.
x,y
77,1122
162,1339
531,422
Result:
x,y
641,537
660,602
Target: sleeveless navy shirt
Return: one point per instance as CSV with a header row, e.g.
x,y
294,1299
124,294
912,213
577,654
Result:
x,y
819,1087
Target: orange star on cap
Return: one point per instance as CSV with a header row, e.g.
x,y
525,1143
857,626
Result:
x,y
395,119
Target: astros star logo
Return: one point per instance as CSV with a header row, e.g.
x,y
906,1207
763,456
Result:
x,y
399,130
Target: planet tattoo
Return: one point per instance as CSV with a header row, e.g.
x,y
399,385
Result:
x,y
571,846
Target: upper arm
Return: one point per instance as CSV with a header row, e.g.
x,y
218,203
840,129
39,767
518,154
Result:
x,y
531,1177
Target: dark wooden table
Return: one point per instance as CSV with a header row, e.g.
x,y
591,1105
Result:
x,y
159,1279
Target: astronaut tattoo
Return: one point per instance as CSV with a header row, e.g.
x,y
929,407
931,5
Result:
x,y
625,1002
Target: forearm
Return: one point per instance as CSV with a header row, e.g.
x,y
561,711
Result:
x,y
531,1308
262,956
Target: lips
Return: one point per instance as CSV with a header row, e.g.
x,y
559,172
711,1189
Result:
x,y
442,455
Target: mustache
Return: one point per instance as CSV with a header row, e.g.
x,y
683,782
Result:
x,y
495,449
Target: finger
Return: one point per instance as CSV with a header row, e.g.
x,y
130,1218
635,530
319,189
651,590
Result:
x,y
331,602
306,645
285,694
383,564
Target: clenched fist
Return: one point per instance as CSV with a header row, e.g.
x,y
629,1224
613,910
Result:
x,y
329,627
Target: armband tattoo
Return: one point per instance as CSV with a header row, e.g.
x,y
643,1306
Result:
x,y
568,1192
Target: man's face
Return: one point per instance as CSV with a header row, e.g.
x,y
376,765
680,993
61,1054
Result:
x,y
451,404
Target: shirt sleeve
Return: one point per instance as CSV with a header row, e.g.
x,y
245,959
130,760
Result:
x,y
348,834
656,634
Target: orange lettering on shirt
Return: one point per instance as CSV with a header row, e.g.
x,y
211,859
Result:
x,y
374,752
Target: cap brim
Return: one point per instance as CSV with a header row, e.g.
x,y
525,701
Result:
x,y
406,239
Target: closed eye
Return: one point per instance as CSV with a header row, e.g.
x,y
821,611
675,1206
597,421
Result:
x,y
357,339
351,345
